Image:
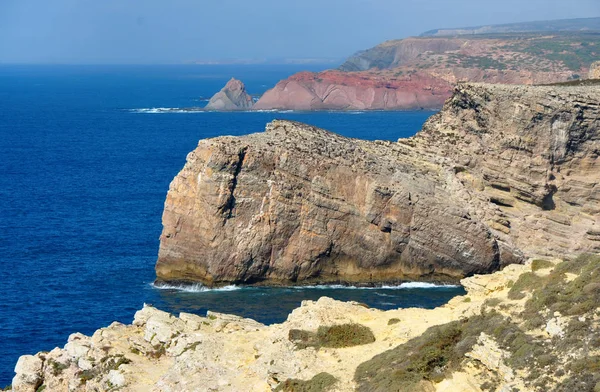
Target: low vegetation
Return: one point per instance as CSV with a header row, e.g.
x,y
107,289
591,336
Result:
x,y
106,364
567,361
322,382
335,336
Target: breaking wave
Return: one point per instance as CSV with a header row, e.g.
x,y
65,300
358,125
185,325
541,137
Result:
x,y
193,288
166,110
401,286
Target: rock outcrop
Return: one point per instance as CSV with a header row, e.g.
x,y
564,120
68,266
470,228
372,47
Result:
x,y
500,172
492,339
594,71
232,97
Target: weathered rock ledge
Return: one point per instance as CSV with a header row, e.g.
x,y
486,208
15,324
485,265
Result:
x,y
161,352
501,173
528,327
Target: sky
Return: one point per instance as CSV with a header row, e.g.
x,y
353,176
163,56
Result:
x,y
179,31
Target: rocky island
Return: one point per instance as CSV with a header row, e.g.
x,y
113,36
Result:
x,y
231,97
504,178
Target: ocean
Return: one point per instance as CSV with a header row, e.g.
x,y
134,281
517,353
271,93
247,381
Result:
x,y
85,163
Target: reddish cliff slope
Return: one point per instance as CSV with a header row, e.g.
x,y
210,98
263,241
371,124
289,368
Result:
x,y
420,72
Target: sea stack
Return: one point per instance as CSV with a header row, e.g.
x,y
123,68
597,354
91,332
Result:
x,y
232,97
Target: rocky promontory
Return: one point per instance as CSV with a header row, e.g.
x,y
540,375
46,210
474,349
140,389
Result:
x,y
231,97
501,173
421,72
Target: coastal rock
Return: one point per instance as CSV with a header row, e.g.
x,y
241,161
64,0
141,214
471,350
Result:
x,y
528,158
492,345
594,71
28,374
500,172
300,204
232,97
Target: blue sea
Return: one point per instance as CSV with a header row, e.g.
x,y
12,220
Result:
x,y
85,165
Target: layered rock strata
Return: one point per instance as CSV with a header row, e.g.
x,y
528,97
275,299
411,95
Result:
x,y
231,97
500,172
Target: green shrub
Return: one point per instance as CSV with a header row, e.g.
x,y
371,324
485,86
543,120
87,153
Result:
x,y
319,383
57,367
539,264
335,336
526,282
439,351
393,321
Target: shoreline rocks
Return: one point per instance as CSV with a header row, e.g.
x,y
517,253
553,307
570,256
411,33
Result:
x,y
337,343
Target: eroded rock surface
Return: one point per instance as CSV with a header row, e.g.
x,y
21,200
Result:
x,y
500,172
162,352
492,339
232,97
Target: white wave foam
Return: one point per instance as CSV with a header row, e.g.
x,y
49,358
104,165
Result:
x,y
166,110
199,288
405,285
193,288
420,285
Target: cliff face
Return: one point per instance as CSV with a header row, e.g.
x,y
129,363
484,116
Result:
x,y
420,72
232,97
500,172
532,153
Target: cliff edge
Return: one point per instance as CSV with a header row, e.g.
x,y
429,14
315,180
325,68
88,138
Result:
x,y
501,173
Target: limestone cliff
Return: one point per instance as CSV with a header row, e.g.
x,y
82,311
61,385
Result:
x,y
232,97
500,172
532,327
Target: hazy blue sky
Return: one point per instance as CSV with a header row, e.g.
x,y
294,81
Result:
x,y
174,31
